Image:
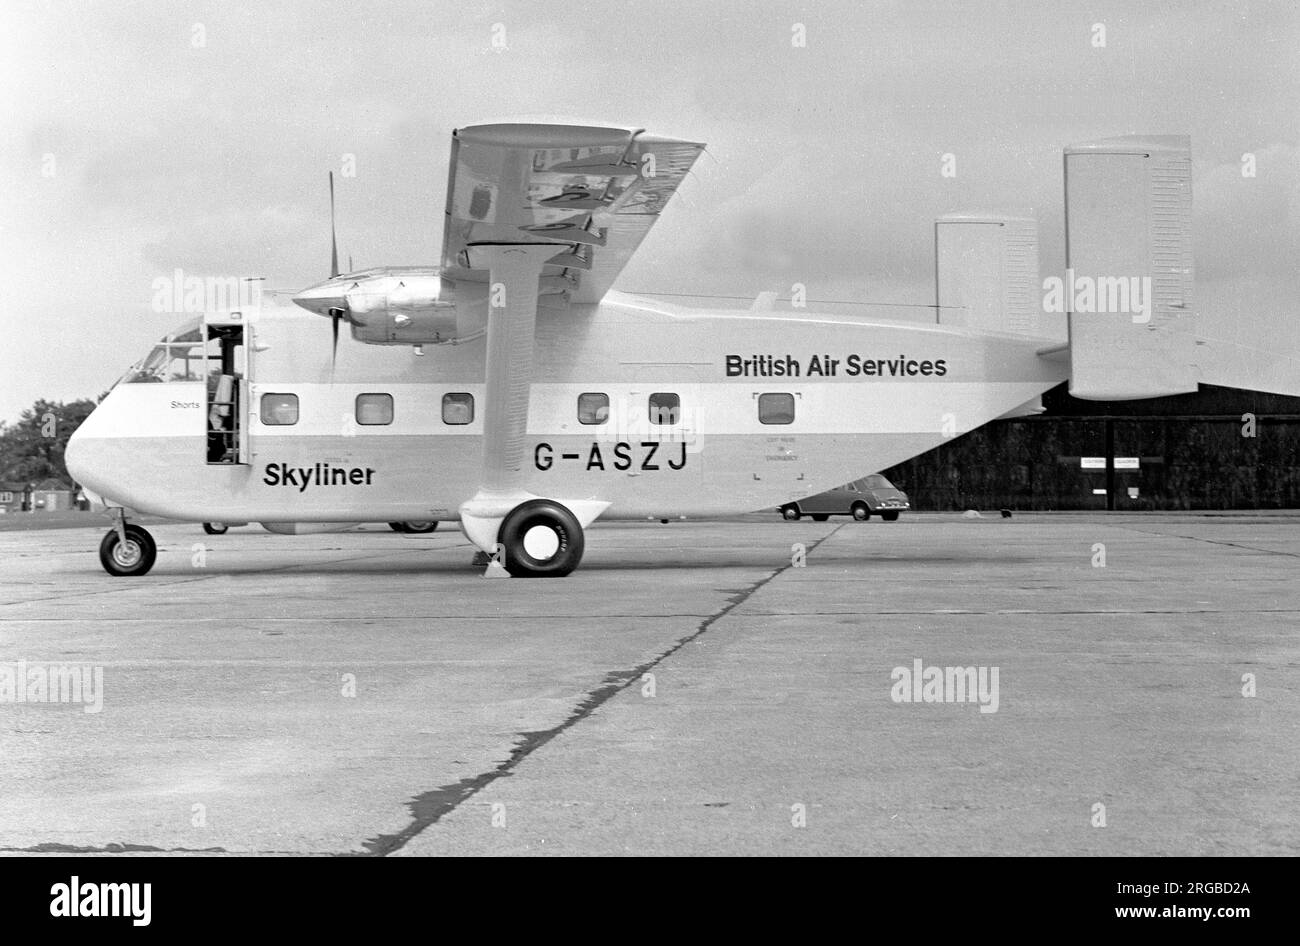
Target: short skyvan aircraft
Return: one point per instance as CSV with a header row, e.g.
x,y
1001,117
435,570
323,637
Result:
x,y
511,390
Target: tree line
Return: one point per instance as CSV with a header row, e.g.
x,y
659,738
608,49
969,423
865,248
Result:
x,y
31,450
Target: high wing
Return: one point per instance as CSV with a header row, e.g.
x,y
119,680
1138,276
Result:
x,y
592,191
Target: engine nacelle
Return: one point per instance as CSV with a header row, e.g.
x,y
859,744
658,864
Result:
x,y
403,310
414,306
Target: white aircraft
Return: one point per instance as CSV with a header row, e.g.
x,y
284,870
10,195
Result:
x,y
510,389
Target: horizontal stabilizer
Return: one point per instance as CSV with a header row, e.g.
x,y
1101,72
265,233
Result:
x,y
1233,365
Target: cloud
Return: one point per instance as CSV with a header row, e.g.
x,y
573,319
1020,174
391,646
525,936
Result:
x,y
823,167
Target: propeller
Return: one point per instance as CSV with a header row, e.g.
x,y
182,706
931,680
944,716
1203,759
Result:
x,y
334,243
336,314
329,298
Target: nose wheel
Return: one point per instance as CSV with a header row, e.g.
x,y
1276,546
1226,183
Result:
x,y
127,551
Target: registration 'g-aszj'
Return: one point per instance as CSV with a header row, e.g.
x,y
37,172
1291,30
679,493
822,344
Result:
x,y
511,390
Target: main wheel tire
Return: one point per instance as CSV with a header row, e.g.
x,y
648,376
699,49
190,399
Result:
x,y
820,516
891,516
418,527
542,539
791,513
215,528
861,512
135,557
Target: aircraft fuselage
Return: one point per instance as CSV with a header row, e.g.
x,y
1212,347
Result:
x,y
865,396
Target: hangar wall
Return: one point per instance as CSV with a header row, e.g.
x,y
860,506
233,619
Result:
x,y
1191,451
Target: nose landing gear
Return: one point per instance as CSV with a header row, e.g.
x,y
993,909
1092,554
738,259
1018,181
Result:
x,y
127,550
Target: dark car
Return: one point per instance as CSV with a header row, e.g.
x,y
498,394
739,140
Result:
x,y
858,499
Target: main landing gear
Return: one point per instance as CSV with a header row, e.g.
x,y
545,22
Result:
x,y
127,550
413,528
540,539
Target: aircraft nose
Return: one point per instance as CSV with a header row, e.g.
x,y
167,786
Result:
x,y
74,454
86,457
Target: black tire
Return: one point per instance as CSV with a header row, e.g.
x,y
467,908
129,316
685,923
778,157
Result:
x,y
544,513
397,526
820,516
419,527
890,516
215,528
791,513
860,512
135,558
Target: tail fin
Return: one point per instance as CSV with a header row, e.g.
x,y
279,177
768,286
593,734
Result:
x,y
986,272
1128,251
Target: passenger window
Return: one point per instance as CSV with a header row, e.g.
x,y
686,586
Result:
x,y
279,410
593,408
374,409
457,408
776,408
665,409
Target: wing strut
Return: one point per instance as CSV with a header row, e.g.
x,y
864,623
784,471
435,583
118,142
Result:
x,y
514,283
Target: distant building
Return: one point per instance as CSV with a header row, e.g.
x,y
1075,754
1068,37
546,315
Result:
x,y
53,495
49,495
1220,448
14,497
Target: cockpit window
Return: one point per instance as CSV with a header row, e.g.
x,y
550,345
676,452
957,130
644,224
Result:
x,y
178,357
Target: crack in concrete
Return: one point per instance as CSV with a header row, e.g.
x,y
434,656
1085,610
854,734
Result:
x,y
428,808
54,847
1197,538
949,612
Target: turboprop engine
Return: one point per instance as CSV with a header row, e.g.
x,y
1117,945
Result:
x,y
390,310
400,306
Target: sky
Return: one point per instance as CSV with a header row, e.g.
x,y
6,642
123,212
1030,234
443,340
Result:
x,y
143,137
